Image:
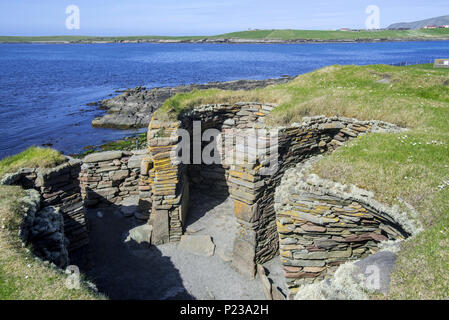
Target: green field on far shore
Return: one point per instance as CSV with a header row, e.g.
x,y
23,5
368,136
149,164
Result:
x,y
270,34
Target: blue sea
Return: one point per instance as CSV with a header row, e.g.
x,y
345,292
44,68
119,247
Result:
x,y
45,88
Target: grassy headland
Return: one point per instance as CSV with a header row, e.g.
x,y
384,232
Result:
x,y
257,35
411,167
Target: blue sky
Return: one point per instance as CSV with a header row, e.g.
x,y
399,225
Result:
x,y
202,17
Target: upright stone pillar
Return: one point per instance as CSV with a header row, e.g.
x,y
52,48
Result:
x,y
168,183
244,187
257,240
145,192
244,251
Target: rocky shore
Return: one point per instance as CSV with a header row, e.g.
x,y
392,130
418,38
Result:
x,y
134,107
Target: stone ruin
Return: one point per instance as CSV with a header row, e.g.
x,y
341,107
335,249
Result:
x,y
54,221
311,224
313,231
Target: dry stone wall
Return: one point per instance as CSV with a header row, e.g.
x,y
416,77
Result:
x,y
43,228
322,225
56,224
59,188
106,178
165,181
230,119
254,190
60,196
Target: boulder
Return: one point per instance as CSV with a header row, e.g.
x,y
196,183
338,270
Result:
x,y
266,283
141,234
377,270
200,245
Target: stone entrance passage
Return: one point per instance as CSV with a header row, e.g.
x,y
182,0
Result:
x,y
214,217
170,180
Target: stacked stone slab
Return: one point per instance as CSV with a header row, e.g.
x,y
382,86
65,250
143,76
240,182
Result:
x,y
230,119
210,179
145,189
169,184
59,189
43,228
321,228
107,178
242,115
253,190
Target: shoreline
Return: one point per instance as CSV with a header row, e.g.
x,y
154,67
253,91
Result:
x,y
231,41
133,108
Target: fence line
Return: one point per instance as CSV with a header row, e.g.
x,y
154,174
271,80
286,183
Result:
x,y
408,63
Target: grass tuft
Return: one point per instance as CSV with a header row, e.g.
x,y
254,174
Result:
x,y
34,157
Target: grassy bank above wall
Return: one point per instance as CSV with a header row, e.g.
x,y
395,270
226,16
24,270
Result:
x,y
411,167
34,157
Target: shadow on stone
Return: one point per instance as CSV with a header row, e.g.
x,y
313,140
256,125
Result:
x,y
202,204
126,270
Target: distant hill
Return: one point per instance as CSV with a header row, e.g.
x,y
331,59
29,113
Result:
x,y
439,21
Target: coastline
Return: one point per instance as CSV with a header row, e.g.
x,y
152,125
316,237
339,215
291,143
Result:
x,y
133,108
230,41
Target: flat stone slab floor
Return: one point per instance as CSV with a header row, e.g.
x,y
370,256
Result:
x,y
124,271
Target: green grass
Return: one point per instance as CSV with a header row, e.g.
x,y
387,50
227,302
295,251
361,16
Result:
x,y
33,157
13,39
411,166
336,35
270,34
22,277
352,91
